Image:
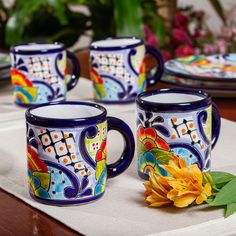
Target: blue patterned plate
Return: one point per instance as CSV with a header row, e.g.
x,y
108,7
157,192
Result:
x,y
220,67
216,91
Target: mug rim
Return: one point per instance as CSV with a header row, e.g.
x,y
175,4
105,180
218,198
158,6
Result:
x,y
111,48
174,107
65,122
13,49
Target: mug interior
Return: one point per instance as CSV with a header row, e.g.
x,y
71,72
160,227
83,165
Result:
x,y
37,47
115,42
170,98
66,111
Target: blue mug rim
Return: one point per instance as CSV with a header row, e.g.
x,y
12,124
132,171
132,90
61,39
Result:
x,y
13,49
106,48
174,107
65,123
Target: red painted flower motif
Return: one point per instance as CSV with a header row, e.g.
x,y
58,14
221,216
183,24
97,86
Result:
x,y
19,79
150,139
34,162
101,153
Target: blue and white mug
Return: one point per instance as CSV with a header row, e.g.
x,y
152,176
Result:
x,y
178,122
117,69
38,72
66,151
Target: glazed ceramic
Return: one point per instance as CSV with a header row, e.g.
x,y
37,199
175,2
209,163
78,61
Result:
x,y
175,121
214,88
38,73
117,69
216,68
66,151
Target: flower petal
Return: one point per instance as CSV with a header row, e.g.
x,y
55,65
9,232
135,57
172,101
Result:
x,y
201,198
150,133
172,194
160,204
184,200
182,163
140,133
207,189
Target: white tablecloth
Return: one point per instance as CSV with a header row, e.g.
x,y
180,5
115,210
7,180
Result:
x,y
122,209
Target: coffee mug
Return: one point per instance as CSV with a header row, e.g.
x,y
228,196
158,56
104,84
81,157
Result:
x,y
177,122
117,69
38,72
66,151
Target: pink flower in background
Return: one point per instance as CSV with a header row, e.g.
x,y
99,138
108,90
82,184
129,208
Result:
x,y
227,31
184,50
197,33
222,45
181,36
181,19
166,55
151,39
209,49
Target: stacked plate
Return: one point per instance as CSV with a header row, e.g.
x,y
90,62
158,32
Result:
x,y
215,74
4,66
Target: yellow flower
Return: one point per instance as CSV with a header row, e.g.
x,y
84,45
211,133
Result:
x,y
184,187
156,192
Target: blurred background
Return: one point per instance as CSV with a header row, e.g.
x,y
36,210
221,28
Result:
x,y
176,27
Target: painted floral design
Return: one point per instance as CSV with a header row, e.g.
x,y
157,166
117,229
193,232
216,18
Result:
x,y
101,168
98,84
148,139
38,176
142,77
153,150
23,89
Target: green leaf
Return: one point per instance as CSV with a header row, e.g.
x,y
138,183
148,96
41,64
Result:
x,y
162,156
59,10
153,20
231,208
209,200
226,195
128,18
221,178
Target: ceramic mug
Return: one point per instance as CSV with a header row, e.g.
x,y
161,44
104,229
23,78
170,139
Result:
x,y
66,151
117,69
38,72
182,122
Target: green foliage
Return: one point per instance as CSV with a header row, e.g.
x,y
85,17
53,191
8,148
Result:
x,y
43,20
221,178
53,20
154,21
102,18
128,18
230,209
226,195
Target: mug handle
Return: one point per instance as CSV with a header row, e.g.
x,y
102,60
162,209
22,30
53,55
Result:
x,y
152,80
127,155
75,70
216,124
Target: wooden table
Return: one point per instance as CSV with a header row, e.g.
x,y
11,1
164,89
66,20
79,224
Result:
x,y
18,218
